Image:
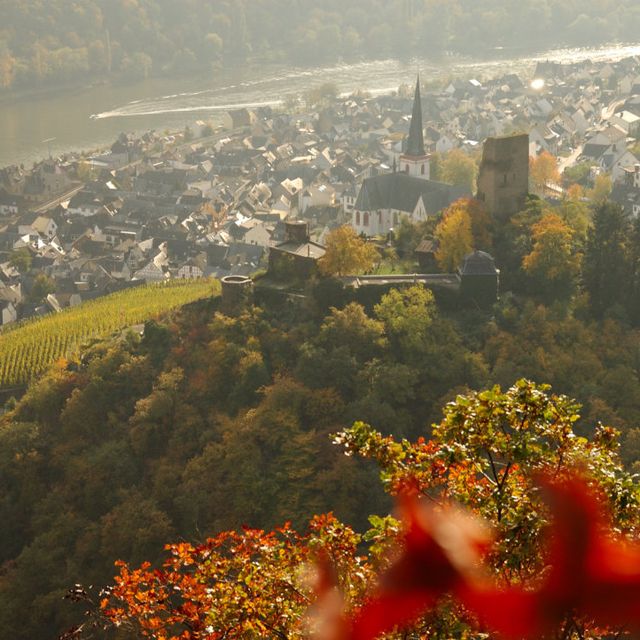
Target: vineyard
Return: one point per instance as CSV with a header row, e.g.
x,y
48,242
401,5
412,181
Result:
x,y
28,349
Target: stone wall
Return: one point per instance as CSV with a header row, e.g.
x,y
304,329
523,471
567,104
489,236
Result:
x,y
503,181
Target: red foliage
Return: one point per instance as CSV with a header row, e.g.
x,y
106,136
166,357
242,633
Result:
x,y
591,574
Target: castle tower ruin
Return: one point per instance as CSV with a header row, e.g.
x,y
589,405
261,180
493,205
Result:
x,y
503,180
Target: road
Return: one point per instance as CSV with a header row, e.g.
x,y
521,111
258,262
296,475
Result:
x,y
58,199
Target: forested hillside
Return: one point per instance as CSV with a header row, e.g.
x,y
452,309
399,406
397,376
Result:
x,y
209,422
44,42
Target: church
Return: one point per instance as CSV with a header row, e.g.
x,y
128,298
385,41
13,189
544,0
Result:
x,y
384,199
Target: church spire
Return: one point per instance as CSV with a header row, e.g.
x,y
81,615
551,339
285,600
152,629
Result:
x,y
415,142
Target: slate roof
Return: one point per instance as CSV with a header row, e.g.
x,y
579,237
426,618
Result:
x,y
303,249
478,263
401,192
415,142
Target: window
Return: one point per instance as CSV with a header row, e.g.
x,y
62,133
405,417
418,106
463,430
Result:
x,y
357,218
422,169
365,221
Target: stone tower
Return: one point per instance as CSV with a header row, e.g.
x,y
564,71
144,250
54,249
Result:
x,y
503,180
414,160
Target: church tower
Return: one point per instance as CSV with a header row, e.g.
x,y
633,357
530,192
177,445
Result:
x,y
414,160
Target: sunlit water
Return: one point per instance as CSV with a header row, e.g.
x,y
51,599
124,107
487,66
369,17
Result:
x,y
93,117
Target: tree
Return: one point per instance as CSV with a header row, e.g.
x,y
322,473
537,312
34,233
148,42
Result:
x,y
543,171
606,270
352,328
347,253
214,47
460,169
553,263
577,174
21,259
324,94
481,222
512,241
41,288
601,188
454,237
85,171
575,211
488,454
407,315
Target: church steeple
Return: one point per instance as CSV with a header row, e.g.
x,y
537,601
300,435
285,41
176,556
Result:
x,y
414,160
415,142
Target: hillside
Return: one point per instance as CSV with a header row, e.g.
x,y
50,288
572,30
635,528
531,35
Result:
x,y
28,349
209,422
63,40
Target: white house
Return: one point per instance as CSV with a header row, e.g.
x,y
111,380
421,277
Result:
x,y
8,312
323,195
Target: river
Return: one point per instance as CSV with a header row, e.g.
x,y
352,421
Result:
x,y
82,119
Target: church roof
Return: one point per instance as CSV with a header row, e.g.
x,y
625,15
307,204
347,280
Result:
x,y
415,142
401,192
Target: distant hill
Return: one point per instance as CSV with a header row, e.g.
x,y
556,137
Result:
x,y
59,40
28,349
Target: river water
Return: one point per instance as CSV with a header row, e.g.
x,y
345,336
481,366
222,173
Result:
x,y
83,119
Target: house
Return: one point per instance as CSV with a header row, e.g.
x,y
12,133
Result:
x,y
45,226
238,118
8,312
192,268
616,161
85,203
10,205
323,195
152,272
296,258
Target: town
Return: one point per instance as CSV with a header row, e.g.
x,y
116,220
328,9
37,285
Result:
x,y
208,202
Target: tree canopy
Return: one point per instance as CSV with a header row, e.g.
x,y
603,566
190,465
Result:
x,y
54,41
347,253
488,453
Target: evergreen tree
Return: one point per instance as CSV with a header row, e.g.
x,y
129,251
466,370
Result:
x,y
607,269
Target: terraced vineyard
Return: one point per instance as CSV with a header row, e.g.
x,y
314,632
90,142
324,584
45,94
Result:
x,y
28,349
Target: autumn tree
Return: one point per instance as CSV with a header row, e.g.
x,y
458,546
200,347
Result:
x,y
455,238
601,188
575,211
460,169
481,222
513,241
554,262
543,171
346,253
487,454
238,585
